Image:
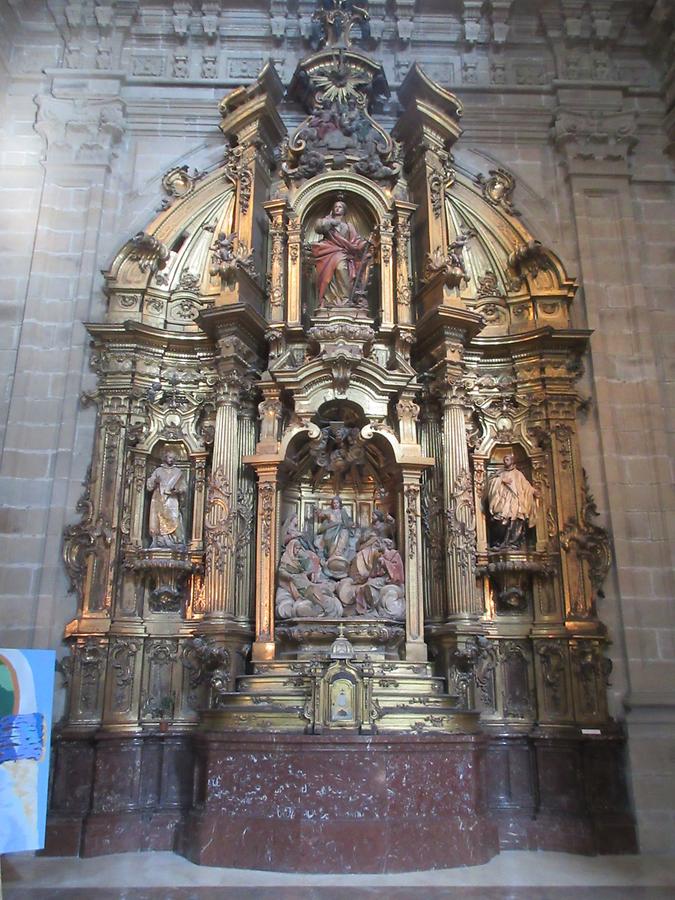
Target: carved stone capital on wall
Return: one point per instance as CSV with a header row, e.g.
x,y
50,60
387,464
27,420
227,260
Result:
x,y
80,130
595,141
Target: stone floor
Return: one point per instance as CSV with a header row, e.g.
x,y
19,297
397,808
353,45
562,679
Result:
x,y
509,876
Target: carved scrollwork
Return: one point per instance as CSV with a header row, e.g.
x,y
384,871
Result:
x,y
89,656
123,659
178,182
83,539
552,661
440,180
473,663
590,542
208,664
149,252
498,189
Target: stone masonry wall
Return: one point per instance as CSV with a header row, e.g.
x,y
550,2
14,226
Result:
x,y
98,99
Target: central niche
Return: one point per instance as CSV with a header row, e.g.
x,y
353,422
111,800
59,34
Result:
x,y
340,271
339,532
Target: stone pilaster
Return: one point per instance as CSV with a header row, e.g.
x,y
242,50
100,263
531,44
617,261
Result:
x,y
595,144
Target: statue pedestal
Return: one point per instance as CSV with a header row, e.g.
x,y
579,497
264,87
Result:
x,y
339,803
307,638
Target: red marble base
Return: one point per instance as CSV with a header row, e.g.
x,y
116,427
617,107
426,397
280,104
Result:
x,y
339,803
565,792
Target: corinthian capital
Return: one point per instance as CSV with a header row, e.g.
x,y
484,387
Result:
x,y
591,137
79,130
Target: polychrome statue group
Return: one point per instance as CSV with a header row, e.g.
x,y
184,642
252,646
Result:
x,y
343,571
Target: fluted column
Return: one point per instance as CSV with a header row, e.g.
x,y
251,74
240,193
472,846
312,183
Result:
x,y
221,507
462,600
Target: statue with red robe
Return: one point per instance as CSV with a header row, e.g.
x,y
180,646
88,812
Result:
x,y
342,258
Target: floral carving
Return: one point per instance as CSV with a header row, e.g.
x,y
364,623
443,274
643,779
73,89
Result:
x,y
220,522
411,497
461,520
245,189
266,492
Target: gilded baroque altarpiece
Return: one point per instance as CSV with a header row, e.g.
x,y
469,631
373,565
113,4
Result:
x,y
336,482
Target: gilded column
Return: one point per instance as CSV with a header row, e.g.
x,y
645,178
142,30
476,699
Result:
x,y
462,596
387,271
276,210
431,440
246,505
404,213
221,507
266,545
415,647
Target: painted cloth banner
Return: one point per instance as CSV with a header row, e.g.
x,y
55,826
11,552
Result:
x,y
26,694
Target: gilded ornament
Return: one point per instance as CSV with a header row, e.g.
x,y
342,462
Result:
x,y
149,252
498,189
266,493
461,522
590,542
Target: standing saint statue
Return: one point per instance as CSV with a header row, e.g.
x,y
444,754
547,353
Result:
x,y
342,259
168,487
335,537
511,502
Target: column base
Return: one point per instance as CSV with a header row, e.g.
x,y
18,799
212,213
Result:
x,y
416,651
263,650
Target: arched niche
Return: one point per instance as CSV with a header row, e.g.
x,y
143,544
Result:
x,y
369,205
336,469
185,465
361,216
